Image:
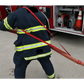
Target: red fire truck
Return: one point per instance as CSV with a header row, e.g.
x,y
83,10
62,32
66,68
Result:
x,y
61,18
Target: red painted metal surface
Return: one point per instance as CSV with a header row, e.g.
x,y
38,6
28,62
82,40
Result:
x,y
50,19
3,12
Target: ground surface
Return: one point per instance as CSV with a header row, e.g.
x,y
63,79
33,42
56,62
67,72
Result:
x,y
63,67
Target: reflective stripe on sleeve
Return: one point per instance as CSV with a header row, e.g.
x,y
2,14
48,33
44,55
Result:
x,y
31,46
38,56
7,25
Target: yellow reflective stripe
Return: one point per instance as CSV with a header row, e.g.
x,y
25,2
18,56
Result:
x,y
31,29
19,31
38,56
31,46
7,25
52,76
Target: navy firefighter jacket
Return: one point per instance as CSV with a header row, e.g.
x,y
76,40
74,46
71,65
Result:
x,y
25,45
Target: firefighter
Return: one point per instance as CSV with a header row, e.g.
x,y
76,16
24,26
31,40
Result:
x,y
28,48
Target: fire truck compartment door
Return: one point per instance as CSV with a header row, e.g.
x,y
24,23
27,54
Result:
x,y
47,11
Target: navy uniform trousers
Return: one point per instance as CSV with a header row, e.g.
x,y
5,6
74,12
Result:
x,y
20,69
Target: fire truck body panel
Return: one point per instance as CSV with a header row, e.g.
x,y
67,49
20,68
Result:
x,y
48,11
2,12
56,9
73,16
14,7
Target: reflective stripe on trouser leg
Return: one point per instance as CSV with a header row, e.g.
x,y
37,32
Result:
x,y
51,76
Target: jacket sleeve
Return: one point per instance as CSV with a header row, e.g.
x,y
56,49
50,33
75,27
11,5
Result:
x,y
9,23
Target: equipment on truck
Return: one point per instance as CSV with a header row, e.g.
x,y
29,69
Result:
x,y
63,18
78,25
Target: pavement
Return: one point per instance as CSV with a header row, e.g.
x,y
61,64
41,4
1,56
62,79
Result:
x,y
64,68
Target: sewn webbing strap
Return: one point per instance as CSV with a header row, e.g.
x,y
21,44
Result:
x,y
57,50
45,27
